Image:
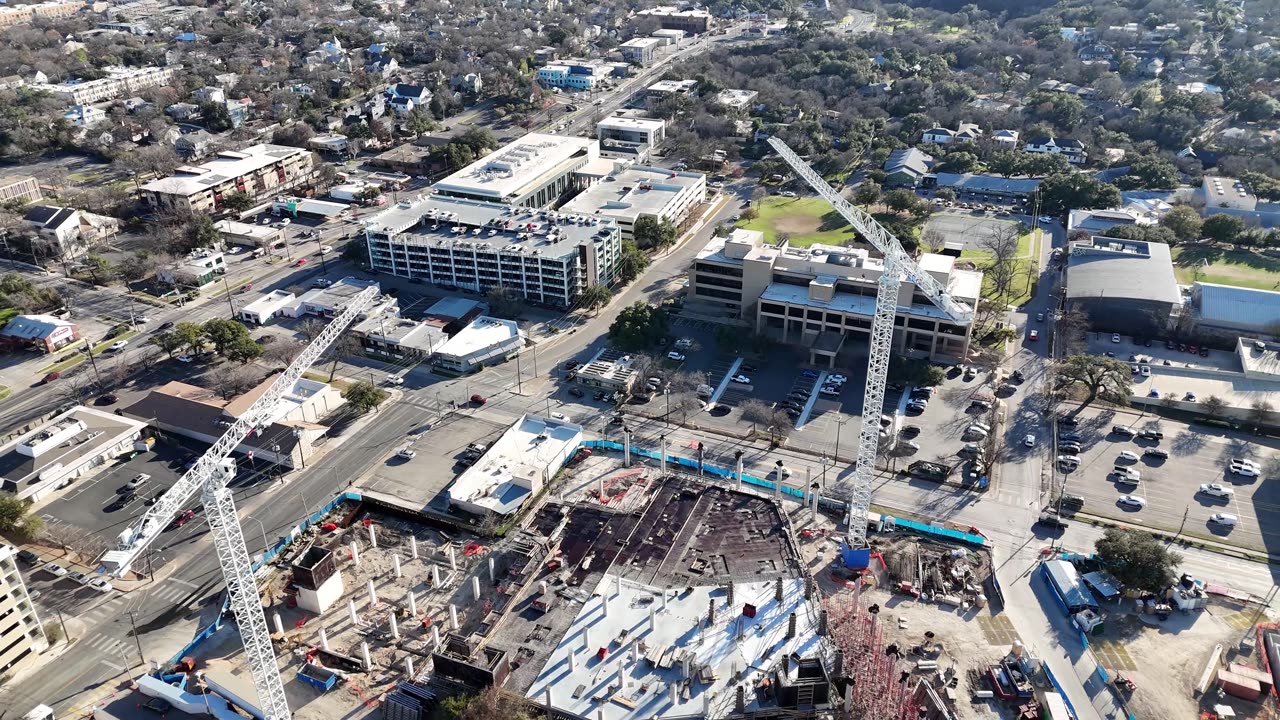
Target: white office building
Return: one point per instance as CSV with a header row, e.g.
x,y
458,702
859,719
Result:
x,y
484,341
549,258
534,171
649,131
632,192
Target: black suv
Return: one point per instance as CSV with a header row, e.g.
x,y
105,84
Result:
x,y
1151,435
1156,453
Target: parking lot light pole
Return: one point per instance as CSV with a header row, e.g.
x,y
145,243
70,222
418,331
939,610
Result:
x,y
263,528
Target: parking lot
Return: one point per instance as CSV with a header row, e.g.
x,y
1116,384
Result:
x,y
940,428
969,229
1197,454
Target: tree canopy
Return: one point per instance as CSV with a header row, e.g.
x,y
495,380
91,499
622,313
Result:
x,y
1137,559
1072,191
1100,376
638,326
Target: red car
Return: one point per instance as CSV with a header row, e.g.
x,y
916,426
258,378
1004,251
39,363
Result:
x,y
183,518
301,262
479,399
1033,335
50,377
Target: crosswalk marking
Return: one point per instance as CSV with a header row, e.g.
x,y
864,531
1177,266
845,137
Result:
x,y
104,643
191,585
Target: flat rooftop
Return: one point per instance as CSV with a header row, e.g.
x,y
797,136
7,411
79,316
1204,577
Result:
x,y
440,221
517,464
449,309
688,662
481,333
635,191
515,168
19,472
228,165
631,123
415,334
258,232
337,294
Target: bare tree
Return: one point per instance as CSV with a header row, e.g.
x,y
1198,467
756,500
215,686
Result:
x,y
345,346
1002,266
311,329
231,380
281,353
1258,412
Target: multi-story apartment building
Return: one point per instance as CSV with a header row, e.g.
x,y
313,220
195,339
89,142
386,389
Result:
x,y
19,190
120,81
640,50
671,18
22,637
259,171
534,171
11,15
821,296
549,258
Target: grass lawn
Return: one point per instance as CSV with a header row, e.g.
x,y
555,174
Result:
x,y
1028,262
323,377
76,357
808,220
1239,268
1024,250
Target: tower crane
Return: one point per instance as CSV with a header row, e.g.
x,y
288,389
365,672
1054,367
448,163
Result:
x,y
211,475
898,266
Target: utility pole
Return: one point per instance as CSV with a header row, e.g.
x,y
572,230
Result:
x,y
324,266
88,348
136,639
519,375
230,304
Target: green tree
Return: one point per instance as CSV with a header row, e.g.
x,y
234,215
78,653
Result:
x,y
243,350
369,194
1258,412
1184,221
1137,559
364,396
652,233
504,302
1222,228
98,268
237,202
596,297
632,262
418,122
1060,193
191,336
1149,172
15,518
638,326
868,193
1103,376
915,372
900,200
201,232
479,139
216,117
225,334
945,194
169,342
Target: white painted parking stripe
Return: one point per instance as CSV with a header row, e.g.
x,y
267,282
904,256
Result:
x,y
113,666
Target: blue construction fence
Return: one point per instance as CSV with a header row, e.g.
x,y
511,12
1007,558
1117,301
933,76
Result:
x,y
1058,687
267,556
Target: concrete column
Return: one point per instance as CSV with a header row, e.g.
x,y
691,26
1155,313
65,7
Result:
x,y
364,655
351,611
675,694
586,639
605,604
435,636
475,587
737,471
493,573
664,598
324,639
453,617
635,653
413,547
275,619
395,563
413,606
408,666
626,448
600,488
573,660
373,595
355,553
395,627
435,576
652,625
549,701
373,537
706,704
453,560
663,464
619,585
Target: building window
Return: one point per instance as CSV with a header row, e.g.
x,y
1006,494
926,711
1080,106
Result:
x,y
791,280
795,312
833,318
815,315
920,324
718,269
710,292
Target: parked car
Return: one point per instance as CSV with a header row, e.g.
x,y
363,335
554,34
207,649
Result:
x,y
1155,435
1123,430
1029,440
742,379
673,355
55,570
78,577
829,390
1156,453
837,378
1071,448
102,585
910,430
810,373
407,454
1128,455
479,399
576,391
1033,335
1224,519
138,481
1132,501
28,557
1217,490
184,358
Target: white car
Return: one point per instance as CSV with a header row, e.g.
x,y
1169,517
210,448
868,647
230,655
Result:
x,y
837,379
829,390
118,345
1132,501
1245,470
788,194
1246,462
559,416
142,319
1029,440
325,249
1217,490
1145,370
673,355
1128,455
742,379
1224,519
100,584
185,358
1128,474
138,481
1115,337
56,570
406,454
395,380
1046,219
234,249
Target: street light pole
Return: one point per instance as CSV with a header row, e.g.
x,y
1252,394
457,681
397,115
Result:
x,y
263,528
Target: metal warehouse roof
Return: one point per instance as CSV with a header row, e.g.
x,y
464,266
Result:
x,y
1238,307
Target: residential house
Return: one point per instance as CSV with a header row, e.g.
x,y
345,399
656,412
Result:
x,y
383,66
1071,149
195,145
209,94
470,83
966,132
73,232
416,94
906,167
83,116
1151,67
196,270
182,111
11,82
1006,138
1095,52
876,90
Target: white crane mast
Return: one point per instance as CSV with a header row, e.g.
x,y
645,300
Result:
x,y
898,265
211,474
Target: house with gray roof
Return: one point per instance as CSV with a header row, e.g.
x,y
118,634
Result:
x,y
906,167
